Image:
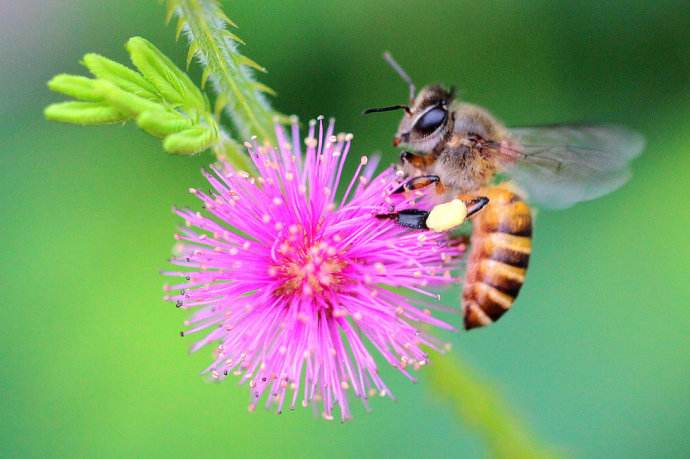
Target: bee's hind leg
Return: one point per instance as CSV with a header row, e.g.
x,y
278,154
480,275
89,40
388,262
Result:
x,y
442,217
474,204
410,218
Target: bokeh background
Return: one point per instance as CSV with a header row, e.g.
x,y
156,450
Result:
x,y
595,356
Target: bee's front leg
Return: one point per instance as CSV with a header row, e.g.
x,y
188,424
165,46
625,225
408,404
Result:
x,y
421,162
417,183
414,164
442,217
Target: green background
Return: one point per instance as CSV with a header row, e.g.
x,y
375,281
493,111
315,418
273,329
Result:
x,y
595,356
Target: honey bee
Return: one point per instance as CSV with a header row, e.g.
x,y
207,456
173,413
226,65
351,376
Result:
x,y
468,155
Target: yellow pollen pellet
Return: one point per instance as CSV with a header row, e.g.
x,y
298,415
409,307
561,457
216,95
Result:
x,y
446,216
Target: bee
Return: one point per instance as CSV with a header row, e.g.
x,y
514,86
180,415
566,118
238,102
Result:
x,y
463,152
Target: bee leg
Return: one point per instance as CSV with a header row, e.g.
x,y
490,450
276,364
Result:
x,y
416,183
446,216
451,214
420,162
410,218
475,204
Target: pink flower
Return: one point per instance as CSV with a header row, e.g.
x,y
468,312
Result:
x,y
295,289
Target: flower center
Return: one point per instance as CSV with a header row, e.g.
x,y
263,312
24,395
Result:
x,y
308,270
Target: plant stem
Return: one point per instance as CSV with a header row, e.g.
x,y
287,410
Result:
x,y
216,47
476,402
228,150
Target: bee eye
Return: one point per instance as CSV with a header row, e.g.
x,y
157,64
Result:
x,y
431,120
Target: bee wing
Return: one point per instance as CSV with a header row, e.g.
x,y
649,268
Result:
x,y
561,165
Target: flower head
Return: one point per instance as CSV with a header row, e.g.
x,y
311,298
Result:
x,y
297,288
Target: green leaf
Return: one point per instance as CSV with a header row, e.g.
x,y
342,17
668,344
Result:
x,y
171,82
219,104
191,52
232,37
179,28
125,102
190,141
163,99
85,113
221,14
170,7
265,89
162,123
204,76
79,87
121,76
244,60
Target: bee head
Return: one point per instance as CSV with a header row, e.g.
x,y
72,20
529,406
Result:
x,y
427,121
426,118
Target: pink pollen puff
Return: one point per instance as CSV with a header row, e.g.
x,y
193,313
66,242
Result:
x,y
297,289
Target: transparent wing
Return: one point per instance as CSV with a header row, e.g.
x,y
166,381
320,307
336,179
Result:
x,y
561,165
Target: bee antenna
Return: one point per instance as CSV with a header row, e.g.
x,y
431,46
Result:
x,y
388,109
403,74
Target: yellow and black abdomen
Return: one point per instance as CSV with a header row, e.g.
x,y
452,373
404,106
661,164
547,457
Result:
x,y
501,244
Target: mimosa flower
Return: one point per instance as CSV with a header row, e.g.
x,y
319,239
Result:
x,y
297,289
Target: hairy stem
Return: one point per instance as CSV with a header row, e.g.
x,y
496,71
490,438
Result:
x,y
481,407
226,149
230,72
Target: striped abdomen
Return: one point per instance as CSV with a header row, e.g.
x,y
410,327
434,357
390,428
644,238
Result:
x,y
500,248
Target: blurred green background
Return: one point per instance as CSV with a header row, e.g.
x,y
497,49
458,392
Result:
x,y
595,356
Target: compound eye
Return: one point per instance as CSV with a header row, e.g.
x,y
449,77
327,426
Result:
x,y
431,120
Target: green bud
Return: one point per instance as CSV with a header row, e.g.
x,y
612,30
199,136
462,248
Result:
x,y
86,113
79,87
190,141
125,102
162,123
123,77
